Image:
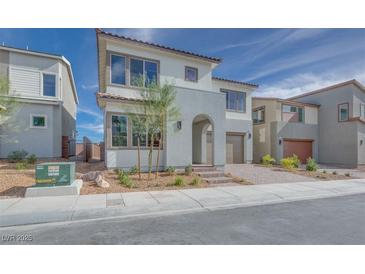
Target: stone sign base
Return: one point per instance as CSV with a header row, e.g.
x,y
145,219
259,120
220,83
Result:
x,y
73,189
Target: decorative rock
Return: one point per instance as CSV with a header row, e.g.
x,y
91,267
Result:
x,y
91,176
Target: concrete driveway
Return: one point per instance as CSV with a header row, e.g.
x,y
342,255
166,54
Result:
x,y
264,175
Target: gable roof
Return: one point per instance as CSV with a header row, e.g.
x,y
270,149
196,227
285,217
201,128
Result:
x,y
286,101
234,81
160,47
350,82
47,55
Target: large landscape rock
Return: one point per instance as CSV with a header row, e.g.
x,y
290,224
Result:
x,y
101,182
91,176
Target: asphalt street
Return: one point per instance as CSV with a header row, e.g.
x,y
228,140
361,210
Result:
x,y
338,220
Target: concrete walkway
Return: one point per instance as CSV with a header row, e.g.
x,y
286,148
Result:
x,y
23,211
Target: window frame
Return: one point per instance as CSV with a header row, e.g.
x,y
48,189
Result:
x,y
111,130
186,74
262,108
144,60
55,84
125,69
297,111
362,110
31,125
339,112
227,91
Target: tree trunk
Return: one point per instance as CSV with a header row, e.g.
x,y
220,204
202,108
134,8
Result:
x,y
158,156
139,158
150,158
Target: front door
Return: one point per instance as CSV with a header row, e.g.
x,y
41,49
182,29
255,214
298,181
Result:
x,y
234,149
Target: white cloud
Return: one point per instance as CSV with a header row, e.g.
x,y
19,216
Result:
x,y
306,82
91,86
95,127
90,112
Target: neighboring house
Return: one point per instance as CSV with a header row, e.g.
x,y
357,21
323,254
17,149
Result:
x,y
341,122
43,85
332,130
283,128
215,126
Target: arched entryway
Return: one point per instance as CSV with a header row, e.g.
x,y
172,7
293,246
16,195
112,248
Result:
x,y
203,140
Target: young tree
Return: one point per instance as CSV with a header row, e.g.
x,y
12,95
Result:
x,y
139,124
8,108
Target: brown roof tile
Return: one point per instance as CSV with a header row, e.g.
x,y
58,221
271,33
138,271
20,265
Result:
x,y
234,81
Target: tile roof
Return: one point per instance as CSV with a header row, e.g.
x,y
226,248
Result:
x,y
158,46
234,81
103,95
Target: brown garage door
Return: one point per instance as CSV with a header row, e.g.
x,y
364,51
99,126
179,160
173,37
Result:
x,y
234,149
301,148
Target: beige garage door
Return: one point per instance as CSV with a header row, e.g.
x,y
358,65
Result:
x,y
234,149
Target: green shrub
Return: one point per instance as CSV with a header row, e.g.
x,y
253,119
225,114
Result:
x,y
133,170
17,156
290,162
188,170
267,160
311,165
32,159
324,171
124,179
334,172
170,170
347,174
179,181
21,165
296,161
287,163
196,181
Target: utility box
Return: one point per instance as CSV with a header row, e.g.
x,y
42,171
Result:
x,y
55,174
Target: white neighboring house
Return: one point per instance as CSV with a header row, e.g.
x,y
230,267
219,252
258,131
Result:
x,y
215,127
44,85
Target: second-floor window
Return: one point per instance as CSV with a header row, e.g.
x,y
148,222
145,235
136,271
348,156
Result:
x,y
117,69
362,111
293,114
143,70
258,115
235,100
343,112
49,85
191,74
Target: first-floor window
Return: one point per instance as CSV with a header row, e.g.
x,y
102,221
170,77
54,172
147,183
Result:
x,y
258,116
137,131
156,138
343,112
38,121
119,131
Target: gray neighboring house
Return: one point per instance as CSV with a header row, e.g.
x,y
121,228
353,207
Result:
x,y
341,120
327,124
44,86
215,127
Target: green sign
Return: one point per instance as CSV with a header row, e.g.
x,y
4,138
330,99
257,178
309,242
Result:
x,y
55,174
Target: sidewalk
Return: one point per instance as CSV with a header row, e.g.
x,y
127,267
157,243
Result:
x,y
22,211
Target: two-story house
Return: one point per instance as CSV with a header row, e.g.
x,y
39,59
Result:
x,y
327,124
43,86
215,124
341,120
283,128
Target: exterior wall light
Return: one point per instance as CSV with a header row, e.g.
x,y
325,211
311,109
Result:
x,y
361,142
280,140
179,125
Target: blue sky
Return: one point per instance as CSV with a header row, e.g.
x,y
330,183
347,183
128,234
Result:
x,y
284,62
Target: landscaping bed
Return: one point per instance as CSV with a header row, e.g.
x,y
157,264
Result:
x,y
163,182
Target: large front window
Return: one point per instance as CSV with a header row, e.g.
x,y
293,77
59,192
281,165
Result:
x,y
235,100
49,85
143,70
119,131
117,69
293,114
138,131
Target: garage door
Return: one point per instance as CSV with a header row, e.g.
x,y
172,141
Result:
x,y
301,148
234,149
